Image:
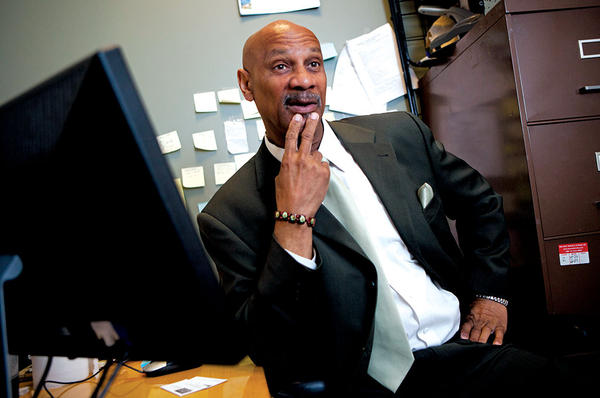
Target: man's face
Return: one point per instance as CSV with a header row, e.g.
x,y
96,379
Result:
x,y
285,76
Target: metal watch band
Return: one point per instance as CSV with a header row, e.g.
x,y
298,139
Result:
x,y
500,300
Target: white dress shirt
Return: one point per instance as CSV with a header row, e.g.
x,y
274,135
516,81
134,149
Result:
x,y
430,315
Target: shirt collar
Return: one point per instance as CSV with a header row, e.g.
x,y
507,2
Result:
x,y
331,148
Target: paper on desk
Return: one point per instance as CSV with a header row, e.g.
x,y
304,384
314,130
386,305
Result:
x,y
377,63
188,386
348,94
205,102
192,177
169,142
235,134
231,96
205,140
253,7
223,171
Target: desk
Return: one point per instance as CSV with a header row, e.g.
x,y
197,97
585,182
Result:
x,y
244,380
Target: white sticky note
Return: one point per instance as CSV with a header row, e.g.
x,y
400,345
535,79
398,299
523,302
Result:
x,y
328,51
230,96
241,159
223,171
260,129
192,177
249,110
205,140
205,102
169,142
235,134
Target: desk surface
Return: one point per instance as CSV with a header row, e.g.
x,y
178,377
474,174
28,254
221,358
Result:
x,y
244,380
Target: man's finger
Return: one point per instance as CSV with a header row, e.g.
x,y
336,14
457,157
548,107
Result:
x,y
309,132
499,338
486,331
465,330
475,334
291,136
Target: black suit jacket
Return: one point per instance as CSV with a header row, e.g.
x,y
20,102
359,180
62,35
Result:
x,y
301,323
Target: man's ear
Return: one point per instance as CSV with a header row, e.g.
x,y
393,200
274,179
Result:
x,y
244,83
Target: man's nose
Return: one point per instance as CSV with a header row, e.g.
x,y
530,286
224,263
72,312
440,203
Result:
x,y
302,79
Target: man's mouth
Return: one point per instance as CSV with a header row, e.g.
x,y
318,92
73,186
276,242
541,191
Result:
x,y
302,103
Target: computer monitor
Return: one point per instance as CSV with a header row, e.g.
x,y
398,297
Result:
x,y
89,204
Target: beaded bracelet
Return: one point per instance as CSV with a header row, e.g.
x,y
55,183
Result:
x,y
295,218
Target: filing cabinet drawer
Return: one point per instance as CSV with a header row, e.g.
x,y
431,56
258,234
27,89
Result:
x,y
573,274
513,6
550,62
567,177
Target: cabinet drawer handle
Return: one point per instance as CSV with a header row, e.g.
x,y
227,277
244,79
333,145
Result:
x,y
589,89
582,53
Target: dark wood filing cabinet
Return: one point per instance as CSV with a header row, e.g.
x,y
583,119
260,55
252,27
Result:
x,y
517,101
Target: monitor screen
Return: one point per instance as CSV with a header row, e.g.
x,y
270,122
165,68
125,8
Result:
x,y
89,204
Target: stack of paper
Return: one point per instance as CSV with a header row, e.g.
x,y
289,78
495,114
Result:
x,y
368,74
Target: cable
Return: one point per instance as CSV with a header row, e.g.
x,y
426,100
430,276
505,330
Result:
x,y
48,391
78,381
112,378
109,363
42,380
104,369
132,368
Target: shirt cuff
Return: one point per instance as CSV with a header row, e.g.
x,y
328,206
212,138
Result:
x,y
308,263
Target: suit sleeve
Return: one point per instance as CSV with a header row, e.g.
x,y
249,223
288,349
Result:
x,y
273,297
470,200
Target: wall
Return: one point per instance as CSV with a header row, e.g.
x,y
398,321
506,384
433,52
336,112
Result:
x,y
174,49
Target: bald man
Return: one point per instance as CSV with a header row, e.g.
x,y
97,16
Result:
x,y
305,289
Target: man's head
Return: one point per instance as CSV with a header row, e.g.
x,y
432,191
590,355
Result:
x,y
283,73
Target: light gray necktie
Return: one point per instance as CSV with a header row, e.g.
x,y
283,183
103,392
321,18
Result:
x,y
391,356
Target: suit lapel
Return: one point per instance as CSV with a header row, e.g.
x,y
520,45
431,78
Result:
x,y
389,179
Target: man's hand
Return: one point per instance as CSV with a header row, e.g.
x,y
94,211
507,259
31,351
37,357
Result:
x,y
301,184
486,317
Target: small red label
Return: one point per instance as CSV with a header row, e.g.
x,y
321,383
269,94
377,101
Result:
x,y
573,248
573,253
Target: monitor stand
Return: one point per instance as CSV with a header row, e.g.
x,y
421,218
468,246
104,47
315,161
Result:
x,y
10,268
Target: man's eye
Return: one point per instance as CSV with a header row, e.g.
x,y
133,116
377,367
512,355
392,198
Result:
x,y
315,64
279,67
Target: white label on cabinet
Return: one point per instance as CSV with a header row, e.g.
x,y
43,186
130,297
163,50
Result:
x,y
598,160
574,253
